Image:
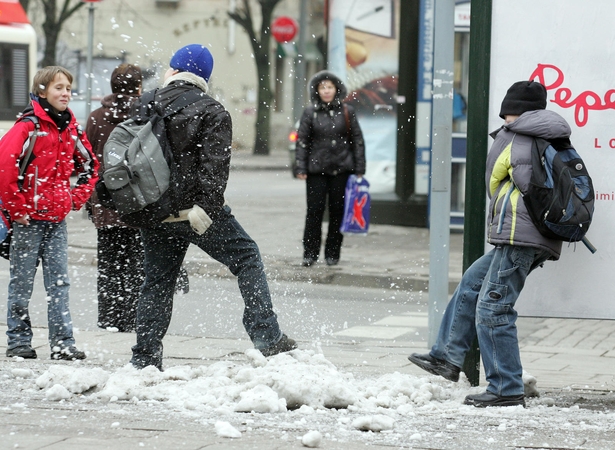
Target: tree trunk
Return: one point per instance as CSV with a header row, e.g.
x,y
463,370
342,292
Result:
x,y
264,107
51,30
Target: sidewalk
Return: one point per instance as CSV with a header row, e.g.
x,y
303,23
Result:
x,y
561,352
572,360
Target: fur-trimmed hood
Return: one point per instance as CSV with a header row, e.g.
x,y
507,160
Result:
x,y
313,89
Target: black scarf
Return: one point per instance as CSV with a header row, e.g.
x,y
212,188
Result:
x,y
61,118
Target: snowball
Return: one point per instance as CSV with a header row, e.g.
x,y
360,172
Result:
x,y
56,393
22,373
373,423
312,439
225,429
529,385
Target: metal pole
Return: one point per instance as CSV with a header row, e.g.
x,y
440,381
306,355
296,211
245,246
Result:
x,y
300,71
440,193
478,124
88,93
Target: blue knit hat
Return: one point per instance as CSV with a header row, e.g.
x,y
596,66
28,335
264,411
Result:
x,y
193,58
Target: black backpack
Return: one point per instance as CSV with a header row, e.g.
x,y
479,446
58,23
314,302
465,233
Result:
x,y
140,180
560,196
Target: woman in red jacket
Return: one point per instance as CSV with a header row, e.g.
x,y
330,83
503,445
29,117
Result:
x,y
38,203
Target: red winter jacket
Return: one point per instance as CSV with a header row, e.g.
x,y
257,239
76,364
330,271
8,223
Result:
x,y
46,193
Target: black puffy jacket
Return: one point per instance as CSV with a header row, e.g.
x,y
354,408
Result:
x,y
200,136
325,144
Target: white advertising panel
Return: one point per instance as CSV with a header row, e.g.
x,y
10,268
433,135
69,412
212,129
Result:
x,y
570,48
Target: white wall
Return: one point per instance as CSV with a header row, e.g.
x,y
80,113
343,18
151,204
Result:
x,y
579,40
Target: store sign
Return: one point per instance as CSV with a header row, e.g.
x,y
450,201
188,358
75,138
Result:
x,y
574,66
284,29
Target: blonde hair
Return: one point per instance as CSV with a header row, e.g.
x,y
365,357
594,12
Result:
x,y
46,75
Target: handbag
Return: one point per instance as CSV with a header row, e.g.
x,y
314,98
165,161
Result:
x,y
6,225
356,206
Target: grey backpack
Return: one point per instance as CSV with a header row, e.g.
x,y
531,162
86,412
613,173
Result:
x,y
139,180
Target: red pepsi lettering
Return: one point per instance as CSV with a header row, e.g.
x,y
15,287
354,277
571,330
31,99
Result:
x,y
563,97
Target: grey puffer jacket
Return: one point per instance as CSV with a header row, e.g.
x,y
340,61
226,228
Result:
x,y
200,135
325,145
508,174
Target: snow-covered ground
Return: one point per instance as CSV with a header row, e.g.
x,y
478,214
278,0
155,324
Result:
x,y
303,399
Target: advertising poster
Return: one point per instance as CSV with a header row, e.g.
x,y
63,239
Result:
x,y
364,51
570,48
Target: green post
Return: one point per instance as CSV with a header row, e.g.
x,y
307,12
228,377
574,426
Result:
x,y
478,122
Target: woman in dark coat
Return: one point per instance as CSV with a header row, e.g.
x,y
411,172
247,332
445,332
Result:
x,y
120,251
330,147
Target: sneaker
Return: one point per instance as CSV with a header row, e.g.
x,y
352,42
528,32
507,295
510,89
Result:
x,y
307,262
68,354
332,261
23,351
436,366
285,344
490,399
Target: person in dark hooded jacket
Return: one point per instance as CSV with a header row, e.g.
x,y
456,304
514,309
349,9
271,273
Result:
x,y
329,149
119,249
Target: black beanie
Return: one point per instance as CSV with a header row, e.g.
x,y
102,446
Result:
x,y
523,96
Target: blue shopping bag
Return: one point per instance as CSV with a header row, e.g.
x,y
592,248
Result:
x,y
356,206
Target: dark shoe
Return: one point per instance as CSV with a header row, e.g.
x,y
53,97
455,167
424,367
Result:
x,y
307,262
332,261
436,366
68,354
285,344
489,399
23,351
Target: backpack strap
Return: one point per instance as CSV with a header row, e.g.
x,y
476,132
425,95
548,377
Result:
x,y
181,102
23,164
148,102
347,119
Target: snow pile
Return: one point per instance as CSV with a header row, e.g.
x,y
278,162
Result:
x,y
299,380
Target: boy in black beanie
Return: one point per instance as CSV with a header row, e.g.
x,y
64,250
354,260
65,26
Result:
x,y
483,303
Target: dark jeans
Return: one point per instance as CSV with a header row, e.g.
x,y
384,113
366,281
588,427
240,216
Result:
x,y
120,276
319,188
225,241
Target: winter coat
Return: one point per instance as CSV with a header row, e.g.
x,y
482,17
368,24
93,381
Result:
x,y
46,192
200,136
508,174
114,110
325,144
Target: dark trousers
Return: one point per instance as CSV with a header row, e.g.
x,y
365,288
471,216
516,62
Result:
x,y
120,276
321,188
226,242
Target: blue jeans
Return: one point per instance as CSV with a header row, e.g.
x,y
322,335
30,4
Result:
x,y
483,306
47,243
225,241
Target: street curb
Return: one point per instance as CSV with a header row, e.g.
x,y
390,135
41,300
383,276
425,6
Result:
x,y
280,269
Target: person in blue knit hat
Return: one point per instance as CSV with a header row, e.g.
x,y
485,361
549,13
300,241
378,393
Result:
x,y
200,136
